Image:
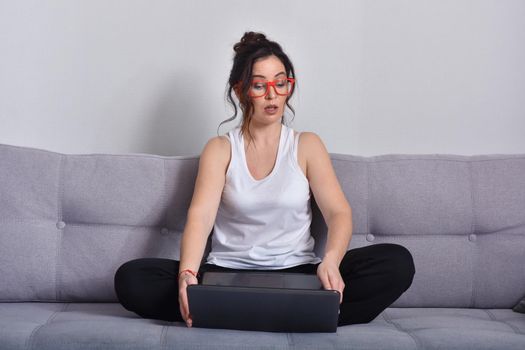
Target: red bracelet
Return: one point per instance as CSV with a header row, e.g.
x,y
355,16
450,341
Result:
x,y
190,271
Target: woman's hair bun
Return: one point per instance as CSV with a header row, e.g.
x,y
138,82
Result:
x,y
250,39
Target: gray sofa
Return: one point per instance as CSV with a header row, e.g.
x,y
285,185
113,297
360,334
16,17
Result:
x,y
69,221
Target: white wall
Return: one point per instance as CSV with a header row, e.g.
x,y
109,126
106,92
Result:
x,y
375,77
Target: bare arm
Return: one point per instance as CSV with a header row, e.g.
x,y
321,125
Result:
x,y
201,215
205,202
330,198
335,209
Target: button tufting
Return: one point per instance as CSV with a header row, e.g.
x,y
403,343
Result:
x,y
61,224
164,231
472,237
370,237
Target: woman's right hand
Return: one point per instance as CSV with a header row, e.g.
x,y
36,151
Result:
x,y
185,280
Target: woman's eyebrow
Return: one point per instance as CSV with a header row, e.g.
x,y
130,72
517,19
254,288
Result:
x,y
262,76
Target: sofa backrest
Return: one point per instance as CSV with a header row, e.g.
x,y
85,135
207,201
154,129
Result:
x,y
67,221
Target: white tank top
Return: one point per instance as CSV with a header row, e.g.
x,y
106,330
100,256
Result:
x,y
264,224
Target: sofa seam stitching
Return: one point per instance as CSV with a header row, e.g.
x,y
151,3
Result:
x,y
31,339
80,224
493,318
399,328
472,230
165,204
163,337
367,199
132,226
289,338
60,214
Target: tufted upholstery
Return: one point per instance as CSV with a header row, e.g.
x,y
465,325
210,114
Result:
x,y
67,222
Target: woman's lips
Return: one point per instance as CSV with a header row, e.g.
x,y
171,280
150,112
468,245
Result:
x,y
271,110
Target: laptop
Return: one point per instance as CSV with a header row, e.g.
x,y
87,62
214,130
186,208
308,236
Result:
x,y
263,301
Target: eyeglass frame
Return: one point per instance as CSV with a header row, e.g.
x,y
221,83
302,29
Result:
x,y
272,83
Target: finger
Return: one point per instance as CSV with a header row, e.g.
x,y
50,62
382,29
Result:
x,y
182,309
337,283
185,307
335,280
188,316
325,281
340,290
189,320
185,304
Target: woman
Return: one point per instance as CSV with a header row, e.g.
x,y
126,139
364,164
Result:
x,y
253,189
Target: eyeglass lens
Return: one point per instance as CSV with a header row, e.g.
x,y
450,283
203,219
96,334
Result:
x,y
282,87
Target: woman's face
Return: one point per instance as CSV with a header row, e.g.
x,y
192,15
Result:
x,y
268,69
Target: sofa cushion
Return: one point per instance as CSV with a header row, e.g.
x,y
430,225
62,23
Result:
x,y
65,326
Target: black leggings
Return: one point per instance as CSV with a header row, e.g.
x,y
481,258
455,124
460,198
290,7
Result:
x,y
374,276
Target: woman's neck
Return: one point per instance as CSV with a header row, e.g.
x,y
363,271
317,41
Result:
x,y
265,136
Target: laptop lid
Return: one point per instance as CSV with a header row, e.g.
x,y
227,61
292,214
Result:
x,y
262,279
263,304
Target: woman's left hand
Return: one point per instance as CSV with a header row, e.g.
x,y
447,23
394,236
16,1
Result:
x,y
328,273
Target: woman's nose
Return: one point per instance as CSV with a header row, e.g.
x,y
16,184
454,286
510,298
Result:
x,y
271,93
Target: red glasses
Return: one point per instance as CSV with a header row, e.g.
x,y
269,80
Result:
x,y
260,88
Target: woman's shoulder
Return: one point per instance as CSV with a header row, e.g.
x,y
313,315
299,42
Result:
x,y
219,148
309,145
219,144
308,139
